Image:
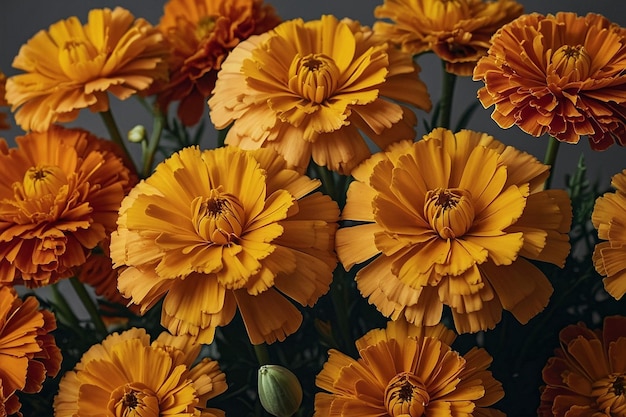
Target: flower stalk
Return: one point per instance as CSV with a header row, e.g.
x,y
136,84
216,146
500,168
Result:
x,y
89,305
116,137
550,159
447,95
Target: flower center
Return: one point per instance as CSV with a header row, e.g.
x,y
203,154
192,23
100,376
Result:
x,y
449,211
218,218
313,77
572,61
611,394
406,396
42,180
206,26
133,400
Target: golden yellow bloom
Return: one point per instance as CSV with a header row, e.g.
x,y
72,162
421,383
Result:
x,y
405,370
559,74
452,219
222,229
126,375
28,352
458,31
59,195
587,375
72,66
311,89
201,33
4,124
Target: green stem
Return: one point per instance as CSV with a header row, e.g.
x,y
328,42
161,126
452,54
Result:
x,y
147,157
221,137
550,159
64,311
116,137
447,92
90,306
262,355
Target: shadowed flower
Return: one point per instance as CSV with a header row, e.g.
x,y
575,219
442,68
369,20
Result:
x,y
201,33
559,74
312,89
458,31
59,195
452,219
222,229
28,352
587,375
72,66
4,124
405,370
126,375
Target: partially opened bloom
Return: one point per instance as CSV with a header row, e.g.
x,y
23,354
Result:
x,y
587,375
28,352
312,89
4,124
60,191
558,74
405,370
458,31
452,220
126,375
216,230
73,66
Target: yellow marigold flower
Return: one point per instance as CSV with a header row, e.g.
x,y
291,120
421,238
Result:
x,y
452,219
72,66
458,31
59,195
559,74
405,370
222,229
28,352
311,89
201,33
126,375
587,375
4,124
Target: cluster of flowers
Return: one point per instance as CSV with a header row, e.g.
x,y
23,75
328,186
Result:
x,y
455,221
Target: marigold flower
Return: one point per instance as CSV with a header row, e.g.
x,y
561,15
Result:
x,y
4,124
405,370
558,74
72,66
201,33
225,228
587,375
28,352
453,219
458,31
59,196
127,375
310,89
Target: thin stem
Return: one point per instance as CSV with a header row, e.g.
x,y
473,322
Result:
x,y
147,157
90,306
550,159
116,137
63,308
221,137
447,93
262,355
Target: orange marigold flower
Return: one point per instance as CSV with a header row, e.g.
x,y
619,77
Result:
x,y
559,74
201,33
72,66
405,370
4,124
587,375
222,229
28,352
311,89
59,195
452,219
127,375
458,31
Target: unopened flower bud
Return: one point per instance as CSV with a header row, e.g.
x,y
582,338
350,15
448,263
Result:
x,y
137,134
280,391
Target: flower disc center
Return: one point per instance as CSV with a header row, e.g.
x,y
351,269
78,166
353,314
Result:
x,y
133,400
406,395
313,77
219,218
42,180
572,61
611,394
449,211
206,26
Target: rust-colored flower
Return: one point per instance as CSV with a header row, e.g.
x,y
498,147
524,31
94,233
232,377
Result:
x,y
311,90
4,124
587,375
559,74
59,196
458,31
73,66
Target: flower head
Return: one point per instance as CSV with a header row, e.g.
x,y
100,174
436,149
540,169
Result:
x,y
587,375
558,74
126,375
405,370
72,66
59,195
222,229
458,31
451,220
4,124
310,89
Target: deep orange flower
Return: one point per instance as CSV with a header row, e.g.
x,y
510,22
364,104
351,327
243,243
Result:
x,y
452,220
458,31
73,66
59,195
28,352
4,124
312,89
587,375
559,74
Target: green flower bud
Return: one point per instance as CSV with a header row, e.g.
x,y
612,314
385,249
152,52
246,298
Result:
x,y
137,134
279,390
